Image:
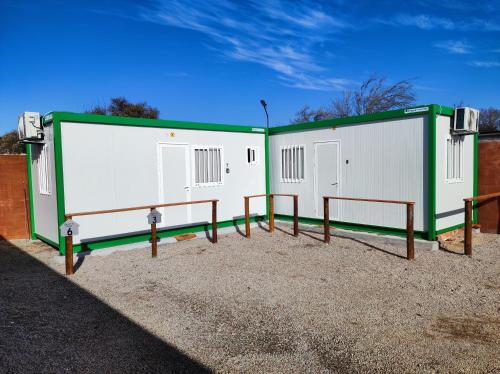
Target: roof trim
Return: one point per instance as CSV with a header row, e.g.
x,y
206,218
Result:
x,y
364,118
337,122
146,122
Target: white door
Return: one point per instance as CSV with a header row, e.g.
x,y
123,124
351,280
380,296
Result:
x,y
327,176
174,175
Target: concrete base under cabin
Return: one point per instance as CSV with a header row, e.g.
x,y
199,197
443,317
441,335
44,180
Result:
x,y
272,303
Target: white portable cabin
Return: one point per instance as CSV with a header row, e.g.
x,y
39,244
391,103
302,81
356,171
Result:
x,y
418,154
86,162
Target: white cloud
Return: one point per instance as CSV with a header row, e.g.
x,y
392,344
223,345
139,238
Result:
x,y
425,22
429,22
454,47
284,37
485,64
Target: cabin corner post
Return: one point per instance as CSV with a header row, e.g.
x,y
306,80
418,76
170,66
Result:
x,y
267,169
56,122
431,154
32,232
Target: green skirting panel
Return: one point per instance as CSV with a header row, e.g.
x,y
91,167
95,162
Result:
x,y
136,238
46,240
451,228
352,226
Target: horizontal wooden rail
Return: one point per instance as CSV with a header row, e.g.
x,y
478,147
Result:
x,y
271,211
410,234
370,200
139,208
154,244
468,219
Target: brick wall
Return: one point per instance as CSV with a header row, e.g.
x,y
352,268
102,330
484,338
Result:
x,y
489,182
14,205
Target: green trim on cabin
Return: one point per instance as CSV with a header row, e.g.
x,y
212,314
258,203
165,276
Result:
x,y
451,228
476,174
161,233
362,119
431,176
30,191
146,122
383,230
56,123
46,240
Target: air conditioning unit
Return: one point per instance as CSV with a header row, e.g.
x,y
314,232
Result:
x,y
29,128
466,120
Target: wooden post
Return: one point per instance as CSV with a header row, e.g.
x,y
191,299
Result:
x,y
214,221
69,251
410,237
247,216
271,213
295,215
326,218
154,243
69,255
468,228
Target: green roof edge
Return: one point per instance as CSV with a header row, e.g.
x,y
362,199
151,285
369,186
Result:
x,y
371,117
147,122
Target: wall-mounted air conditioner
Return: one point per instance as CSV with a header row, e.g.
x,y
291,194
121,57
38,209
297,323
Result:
x,y
466,120
29,128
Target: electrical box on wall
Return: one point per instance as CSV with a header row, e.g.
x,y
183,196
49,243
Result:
x,y
466,120
29,128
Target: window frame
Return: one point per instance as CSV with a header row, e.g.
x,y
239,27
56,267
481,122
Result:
x,y
256,150
193,165
458,139
292,163
44,167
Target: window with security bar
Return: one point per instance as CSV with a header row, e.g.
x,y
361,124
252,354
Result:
x,y
454,159
208,162
44,170
293,163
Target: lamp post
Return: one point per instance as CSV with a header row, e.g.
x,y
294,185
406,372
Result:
x,y
264,105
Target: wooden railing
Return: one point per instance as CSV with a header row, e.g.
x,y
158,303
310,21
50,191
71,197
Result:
x,y
271,212
154,244
410,236
468,219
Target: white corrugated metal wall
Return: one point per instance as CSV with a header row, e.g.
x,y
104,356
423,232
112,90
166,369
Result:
x,y
111,166
379,160
450,195
45,205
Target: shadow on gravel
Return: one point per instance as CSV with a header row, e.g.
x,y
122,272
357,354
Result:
x,y
49,324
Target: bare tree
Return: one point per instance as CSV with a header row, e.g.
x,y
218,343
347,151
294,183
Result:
x,y
374,95
342,106
120,106
305,114
489,120
9,143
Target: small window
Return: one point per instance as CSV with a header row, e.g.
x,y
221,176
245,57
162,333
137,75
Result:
x,y
44,170
207,167
252,155
293,163
454,159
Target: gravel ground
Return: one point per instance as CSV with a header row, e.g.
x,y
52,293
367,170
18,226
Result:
x,y
273,303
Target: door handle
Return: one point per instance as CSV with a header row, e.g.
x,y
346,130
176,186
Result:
x,y
333,184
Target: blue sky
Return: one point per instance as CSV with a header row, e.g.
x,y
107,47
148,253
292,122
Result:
x,y
212,61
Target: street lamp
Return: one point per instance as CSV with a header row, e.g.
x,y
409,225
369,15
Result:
x,y
264,105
